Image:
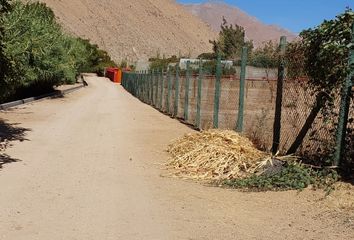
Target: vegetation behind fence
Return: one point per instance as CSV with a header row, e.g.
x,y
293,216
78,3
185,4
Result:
x,y
272,113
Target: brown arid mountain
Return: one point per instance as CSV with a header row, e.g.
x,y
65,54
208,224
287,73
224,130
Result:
x,y
212,13
135,29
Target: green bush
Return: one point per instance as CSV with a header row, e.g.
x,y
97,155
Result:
x,y
5,64
40,53
97,60
293,176
158,63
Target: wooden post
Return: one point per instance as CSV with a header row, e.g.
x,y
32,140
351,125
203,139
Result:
x,y
279,99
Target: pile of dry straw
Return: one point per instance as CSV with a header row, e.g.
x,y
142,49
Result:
x,y
214,155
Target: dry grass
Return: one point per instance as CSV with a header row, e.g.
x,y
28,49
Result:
x,y
214,155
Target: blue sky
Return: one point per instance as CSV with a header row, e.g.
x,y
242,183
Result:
x,y
294,15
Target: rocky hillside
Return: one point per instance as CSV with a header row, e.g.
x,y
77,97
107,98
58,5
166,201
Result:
x,y
135,29
213,12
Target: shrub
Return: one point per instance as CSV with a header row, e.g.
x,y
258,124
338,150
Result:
x,y
41,54
293,176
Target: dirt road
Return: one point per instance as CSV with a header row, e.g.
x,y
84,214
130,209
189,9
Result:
x,y
90,168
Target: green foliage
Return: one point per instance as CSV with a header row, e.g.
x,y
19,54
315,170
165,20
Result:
x,y
208,56
325,51
41,54
5,64
209,67
231,40
266,56
123,64
295,57
37,46
158,63
96,59
293,176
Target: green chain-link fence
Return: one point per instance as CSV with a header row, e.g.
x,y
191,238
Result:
x,y
206,100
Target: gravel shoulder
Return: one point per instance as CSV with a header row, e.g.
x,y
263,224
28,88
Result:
x,y
89,166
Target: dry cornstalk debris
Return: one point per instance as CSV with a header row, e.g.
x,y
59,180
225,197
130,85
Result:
x,y
214,155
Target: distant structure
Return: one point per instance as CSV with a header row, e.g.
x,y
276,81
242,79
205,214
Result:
x,y
195,63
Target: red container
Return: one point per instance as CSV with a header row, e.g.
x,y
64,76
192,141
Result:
x,y
114,74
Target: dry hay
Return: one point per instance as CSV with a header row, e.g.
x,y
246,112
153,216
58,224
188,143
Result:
x,y
214,155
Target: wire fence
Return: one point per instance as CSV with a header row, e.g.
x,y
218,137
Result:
x,y
214,101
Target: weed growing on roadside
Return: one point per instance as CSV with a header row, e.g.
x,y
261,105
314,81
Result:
x,y
294,176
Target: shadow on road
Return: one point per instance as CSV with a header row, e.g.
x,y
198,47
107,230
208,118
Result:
x,y
10,132
5,159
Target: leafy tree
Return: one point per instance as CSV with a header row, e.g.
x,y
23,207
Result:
x,y
322,55
5,64
97,59
324,52
231,40
158,63
295,56
266,56
42,54
208,56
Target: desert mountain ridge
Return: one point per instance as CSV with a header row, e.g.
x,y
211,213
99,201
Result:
x,y
135,29
212,13
138,29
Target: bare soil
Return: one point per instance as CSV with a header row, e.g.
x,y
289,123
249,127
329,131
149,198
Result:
x,y
135,30
89,166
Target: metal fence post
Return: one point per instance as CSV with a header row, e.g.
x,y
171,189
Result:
x,y
151,87
162,88
169,88
279,99
217,92
144,86
199,95
141,84
157,76
186,92
147,85
241,102
123,77
176,92
344,109
134,81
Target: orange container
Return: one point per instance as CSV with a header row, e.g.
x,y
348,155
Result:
x,y
114,74
118,78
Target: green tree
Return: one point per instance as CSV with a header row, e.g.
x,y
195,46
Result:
x,y
322,55
266,56
158,63
207,56
5,64
231,40
42,54
324,52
